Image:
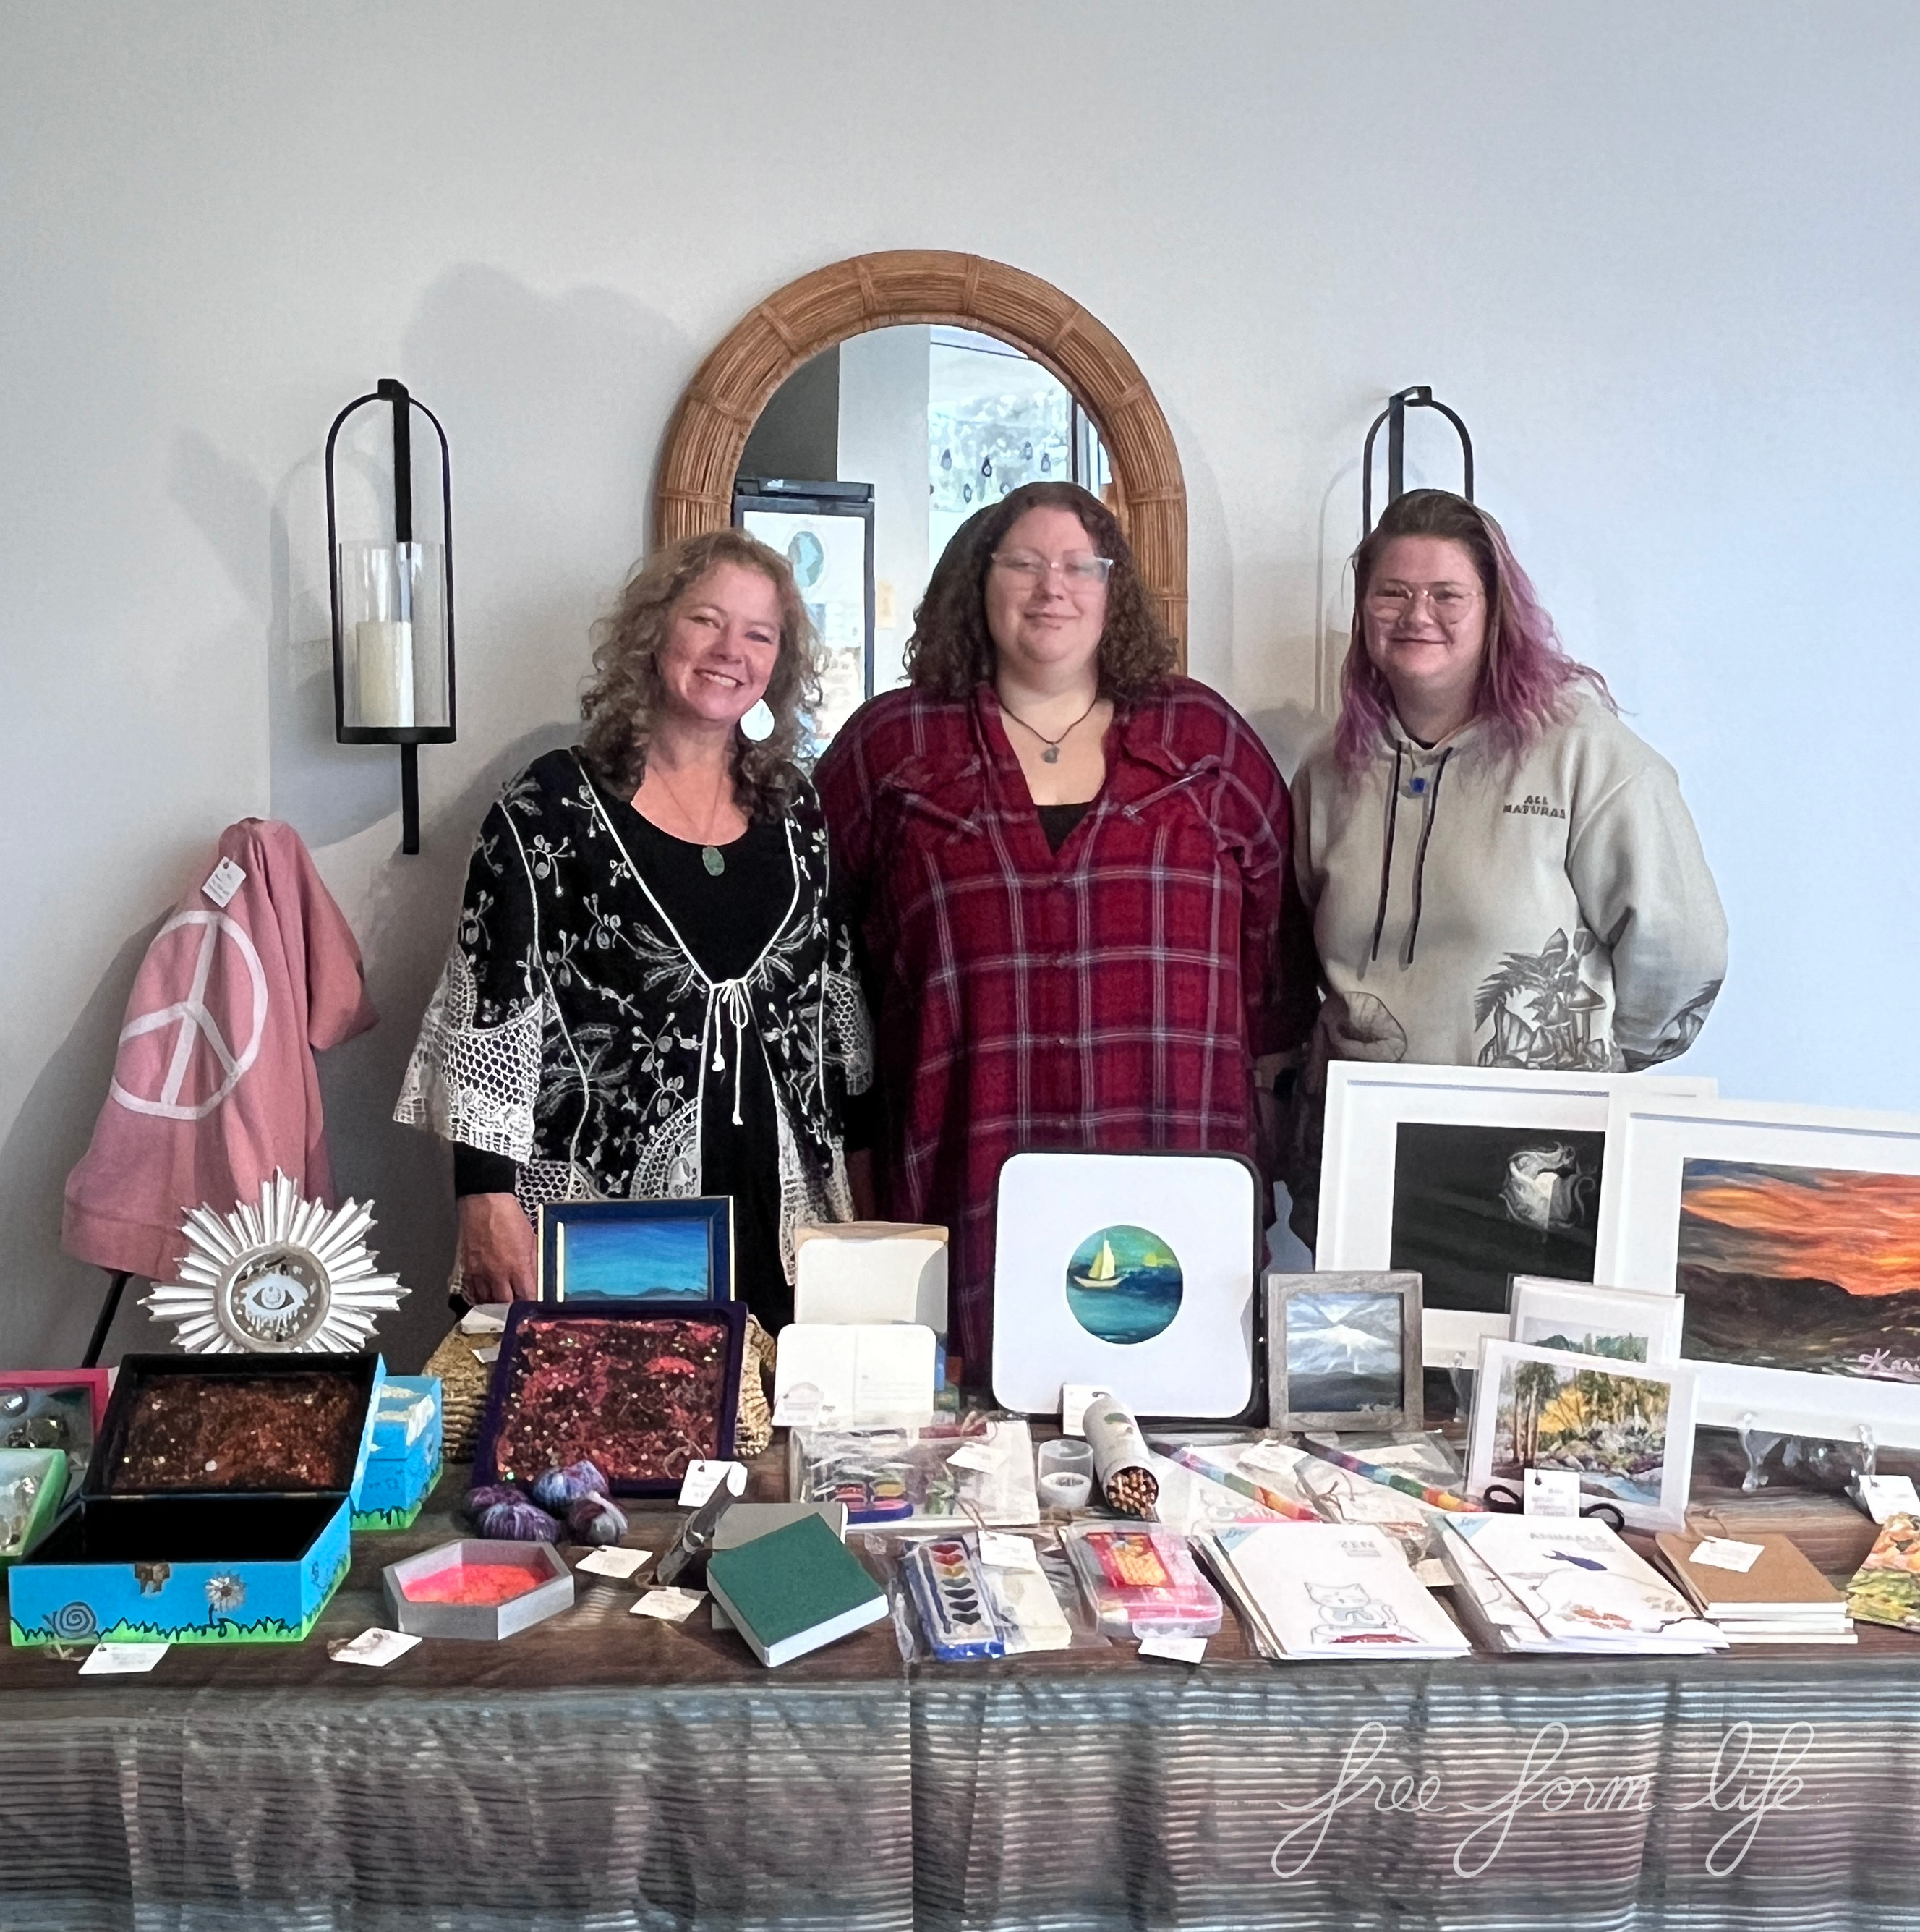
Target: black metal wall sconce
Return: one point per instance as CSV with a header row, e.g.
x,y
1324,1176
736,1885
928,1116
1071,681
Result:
x,y
393,613
1394,416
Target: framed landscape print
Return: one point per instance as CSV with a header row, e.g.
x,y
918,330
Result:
x,y
1343,1351
1467,1175
1626,1428
1794,1234
637,1250
1581,1320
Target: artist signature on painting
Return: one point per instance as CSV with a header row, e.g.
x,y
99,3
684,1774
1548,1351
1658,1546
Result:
x,y
1888,1367
1746,1784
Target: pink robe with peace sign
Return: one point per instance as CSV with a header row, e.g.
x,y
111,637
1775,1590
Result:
x,y
214,1086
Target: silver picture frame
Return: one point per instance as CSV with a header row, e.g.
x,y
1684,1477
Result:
x,y
1377,1332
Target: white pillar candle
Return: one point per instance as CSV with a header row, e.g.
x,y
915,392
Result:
x,y
384,655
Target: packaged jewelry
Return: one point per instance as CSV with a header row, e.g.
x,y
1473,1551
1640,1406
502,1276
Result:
x,y
949,1475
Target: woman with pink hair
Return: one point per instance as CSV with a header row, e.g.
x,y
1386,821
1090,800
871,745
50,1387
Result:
x,y
1500,873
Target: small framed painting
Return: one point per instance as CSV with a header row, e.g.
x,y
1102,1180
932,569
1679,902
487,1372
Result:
x,y
637,1250
1626,1429
1133,1273
1343,1351
1579,1319
1794,1234
1466,1176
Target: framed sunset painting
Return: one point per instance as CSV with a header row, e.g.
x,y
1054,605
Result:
x,y
1794,1233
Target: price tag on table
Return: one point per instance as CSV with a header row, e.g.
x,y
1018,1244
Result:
x,y
1181,1649
703,1478
614,1562
113,1660
670,1606
376,1647
1550,1492
1076,1399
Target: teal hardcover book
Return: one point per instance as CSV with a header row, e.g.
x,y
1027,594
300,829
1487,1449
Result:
x,y
794,1590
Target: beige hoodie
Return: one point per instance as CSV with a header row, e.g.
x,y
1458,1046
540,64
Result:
x,y
1556,911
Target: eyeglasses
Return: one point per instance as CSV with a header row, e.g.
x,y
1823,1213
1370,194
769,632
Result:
x,y
1449,602
1081,573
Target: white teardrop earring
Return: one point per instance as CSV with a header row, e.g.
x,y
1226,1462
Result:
x,y
758,724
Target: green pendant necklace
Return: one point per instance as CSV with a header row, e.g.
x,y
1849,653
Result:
x,y
714,861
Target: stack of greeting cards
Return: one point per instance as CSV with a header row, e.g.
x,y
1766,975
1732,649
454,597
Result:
x,y
1886,1588
1546,1583
1328,1590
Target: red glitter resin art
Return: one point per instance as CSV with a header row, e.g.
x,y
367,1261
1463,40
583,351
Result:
x,y
473,1583
641,1398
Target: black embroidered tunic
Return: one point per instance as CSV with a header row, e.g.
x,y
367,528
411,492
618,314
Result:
x,y
578,1031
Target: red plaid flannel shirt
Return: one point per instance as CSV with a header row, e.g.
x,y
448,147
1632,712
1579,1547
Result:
x,y
1114,997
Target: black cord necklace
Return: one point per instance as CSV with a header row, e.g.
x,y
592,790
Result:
x,y
1051,756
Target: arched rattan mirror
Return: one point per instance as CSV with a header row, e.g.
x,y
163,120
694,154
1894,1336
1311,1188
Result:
x,y
711,427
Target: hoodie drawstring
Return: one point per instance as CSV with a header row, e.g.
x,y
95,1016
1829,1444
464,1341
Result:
x,y
1419,856
730,995
1387,856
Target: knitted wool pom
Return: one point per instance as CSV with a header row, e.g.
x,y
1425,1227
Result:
x,y
559,1490
504,1514
594,1519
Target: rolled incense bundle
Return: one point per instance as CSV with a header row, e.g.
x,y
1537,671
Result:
x,y
1120,1456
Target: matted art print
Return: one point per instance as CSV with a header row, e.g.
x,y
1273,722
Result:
x,y
1343,1351
1624,1428
1794,1234
1132,1273
1468,1176
1579,1318
637,1250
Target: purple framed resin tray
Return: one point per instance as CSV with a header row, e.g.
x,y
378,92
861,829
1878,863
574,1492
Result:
x,y
640,1388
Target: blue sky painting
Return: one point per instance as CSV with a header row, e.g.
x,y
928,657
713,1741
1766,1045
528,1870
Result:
x,y
632,1258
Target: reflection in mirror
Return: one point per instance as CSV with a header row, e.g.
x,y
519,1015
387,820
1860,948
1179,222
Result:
x,y
869,457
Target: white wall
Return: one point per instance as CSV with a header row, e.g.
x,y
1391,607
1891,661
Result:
x,y
883,442
1664,258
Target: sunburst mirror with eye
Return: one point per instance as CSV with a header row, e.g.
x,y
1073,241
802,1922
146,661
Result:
x,y
280,1276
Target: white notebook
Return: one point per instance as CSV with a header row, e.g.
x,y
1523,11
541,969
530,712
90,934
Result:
x,y
1581,1584
1338,1590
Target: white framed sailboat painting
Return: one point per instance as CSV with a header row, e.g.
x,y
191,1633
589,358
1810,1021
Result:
x,y
1133,1273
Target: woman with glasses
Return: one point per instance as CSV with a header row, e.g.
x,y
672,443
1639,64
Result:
x,y
1069,873
1501,874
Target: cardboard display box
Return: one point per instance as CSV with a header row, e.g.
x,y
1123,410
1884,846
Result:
x,y
406,1458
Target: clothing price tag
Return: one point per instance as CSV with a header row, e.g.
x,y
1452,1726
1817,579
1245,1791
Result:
x,y
1076,1398
998,1551
378,1648
1889,1496
1719,1553
1550,1492
111,1660
614,1562
670,1606
703,1478
1181,1649
222,882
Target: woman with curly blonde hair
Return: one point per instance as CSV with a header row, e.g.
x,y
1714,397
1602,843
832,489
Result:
x,y
1068,868
647,997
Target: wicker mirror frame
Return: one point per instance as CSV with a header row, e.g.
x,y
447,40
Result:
x,y
710,427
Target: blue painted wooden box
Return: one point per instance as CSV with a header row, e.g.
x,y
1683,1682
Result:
x,y
404,1463
193,1566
